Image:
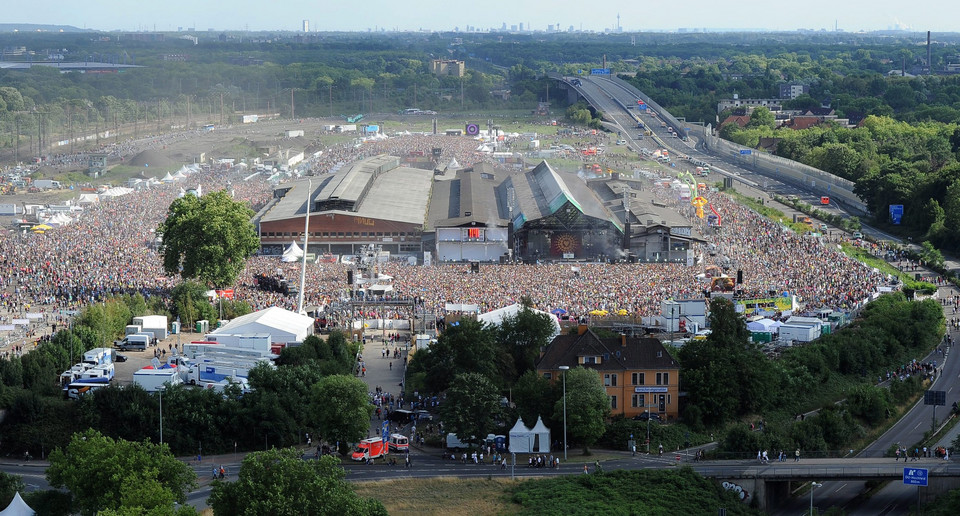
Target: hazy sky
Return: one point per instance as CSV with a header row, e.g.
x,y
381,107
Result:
x,y
596,15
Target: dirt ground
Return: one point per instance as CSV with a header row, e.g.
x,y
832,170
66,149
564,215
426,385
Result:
x,y
137,360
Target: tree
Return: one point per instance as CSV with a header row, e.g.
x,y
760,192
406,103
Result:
x,y
523,335
471,408
467,347
587,406
100,472
761,117
9,486
281,483
533,396
208,238
341,408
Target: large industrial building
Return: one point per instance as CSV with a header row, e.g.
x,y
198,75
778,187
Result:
x,y
480,213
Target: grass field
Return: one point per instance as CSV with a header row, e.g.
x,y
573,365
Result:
x,y
446,496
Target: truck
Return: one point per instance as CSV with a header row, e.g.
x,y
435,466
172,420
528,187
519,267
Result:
x,y
47,184
74,390
135,342
101,373
151,379
371,448
99,356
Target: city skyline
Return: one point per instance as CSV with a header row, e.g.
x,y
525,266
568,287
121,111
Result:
x,y
534,15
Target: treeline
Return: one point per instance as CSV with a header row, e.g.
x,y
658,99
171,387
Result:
x,y
728,379
890,162
279,410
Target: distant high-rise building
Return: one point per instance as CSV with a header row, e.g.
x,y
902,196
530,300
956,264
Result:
x,y
306,25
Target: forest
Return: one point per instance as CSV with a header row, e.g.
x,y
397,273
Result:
x,y
904,151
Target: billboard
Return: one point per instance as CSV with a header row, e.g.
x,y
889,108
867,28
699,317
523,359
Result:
x,y
769,304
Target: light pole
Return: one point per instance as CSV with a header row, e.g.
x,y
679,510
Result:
x,y
160,391
564,373
813,485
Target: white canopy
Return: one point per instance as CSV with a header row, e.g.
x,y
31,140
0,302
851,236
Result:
x,y
529,440
116,191
283,326
764,325
292,254
17,507
168,178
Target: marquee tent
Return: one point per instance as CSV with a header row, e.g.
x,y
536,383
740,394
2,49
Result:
x,y
18,507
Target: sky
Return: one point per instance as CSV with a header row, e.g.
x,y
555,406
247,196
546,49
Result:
x,y
446,15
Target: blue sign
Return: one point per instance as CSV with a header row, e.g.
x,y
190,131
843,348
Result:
x,y
642,107
599,71
896,213
914,476
745,151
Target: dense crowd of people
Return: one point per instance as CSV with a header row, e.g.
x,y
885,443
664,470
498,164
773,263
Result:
x,y
110,248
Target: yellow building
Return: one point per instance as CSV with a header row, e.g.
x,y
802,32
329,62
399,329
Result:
x,y
637,373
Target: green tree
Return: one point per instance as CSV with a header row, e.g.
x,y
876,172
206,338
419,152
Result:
x,y
534,397
587,406
761,117
208,238
341,408
9,486
281,483
523,336
472,407
100,471
189,303
467,347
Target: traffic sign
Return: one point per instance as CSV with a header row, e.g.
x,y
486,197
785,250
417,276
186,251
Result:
x,y
745,151
935,398
599,71
914,476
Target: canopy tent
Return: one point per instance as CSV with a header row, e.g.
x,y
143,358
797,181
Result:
x,y
18,507
529,440
283,326
116,191
292,253
168,178
764,325
496,317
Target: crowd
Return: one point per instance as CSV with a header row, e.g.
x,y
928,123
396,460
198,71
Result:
x,y
110,249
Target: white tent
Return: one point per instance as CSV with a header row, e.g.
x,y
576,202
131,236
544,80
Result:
x,y
168,178
116,191
17,507
541,437
283,326
764,325
292,253
529,440
88,198
496,317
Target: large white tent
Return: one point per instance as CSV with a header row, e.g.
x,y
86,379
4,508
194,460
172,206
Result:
x,y
283,326
530,440
17,507
292,253
764,325
496,317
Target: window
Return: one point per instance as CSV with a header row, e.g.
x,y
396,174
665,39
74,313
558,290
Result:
x,y
638,401
613,402
613,380
588,360
547,376
663,378
637,378
606,380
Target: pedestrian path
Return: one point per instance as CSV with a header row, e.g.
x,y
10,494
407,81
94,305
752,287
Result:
x,y
380,367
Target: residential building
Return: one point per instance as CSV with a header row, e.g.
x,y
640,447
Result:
x,y
447,67
638,373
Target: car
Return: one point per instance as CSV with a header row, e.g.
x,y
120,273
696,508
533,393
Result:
x,y
120,358
857,235
645,416
423,415
822,226
621,142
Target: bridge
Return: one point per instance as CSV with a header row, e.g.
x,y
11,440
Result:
x,y
775,481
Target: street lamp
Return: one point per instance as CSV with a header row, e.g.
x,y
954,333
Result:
x,y
564,373
160,391
813,485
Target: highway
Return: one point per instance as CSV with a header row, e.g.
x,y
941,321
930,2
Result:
x,y
612,97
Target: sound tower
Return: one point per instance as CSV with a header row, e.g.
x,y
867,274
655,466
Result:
x,y
739,277
474,267
349,277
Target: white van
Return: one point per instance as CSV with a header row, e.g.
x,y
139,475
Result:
x,y
399,442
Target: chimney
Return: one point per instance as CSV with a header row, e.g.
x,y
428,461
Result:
x,y
929,64
623,340
581,329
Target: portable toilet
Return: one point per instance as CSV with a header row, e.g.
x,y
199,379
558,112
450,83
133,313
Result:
x,y
175,327
203,326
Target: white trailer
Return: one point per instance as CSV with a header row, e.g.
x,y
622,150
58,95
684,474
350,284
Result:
x,y
798,333
151,379
155,324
